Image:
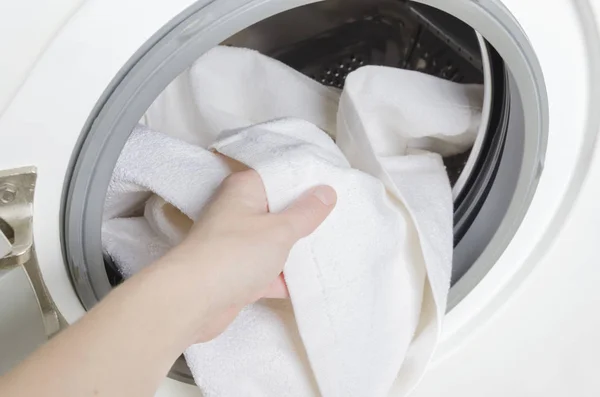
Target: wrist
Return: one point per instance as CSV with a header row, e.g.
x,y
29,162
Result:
x,y
180,302
208,306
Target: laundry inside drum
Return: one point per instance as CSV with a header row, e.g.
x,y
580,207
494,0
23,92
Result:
x,y
340,39
328,40
343,36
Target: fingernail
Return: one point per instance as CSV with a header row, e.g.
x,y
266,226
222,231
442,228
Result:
x,y
325,194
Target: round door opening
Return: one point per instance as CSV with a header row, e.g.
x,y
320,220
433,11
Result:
x,y
342,35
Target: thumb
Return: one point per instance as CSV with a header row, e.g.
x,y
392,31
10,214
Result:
x,y
309,211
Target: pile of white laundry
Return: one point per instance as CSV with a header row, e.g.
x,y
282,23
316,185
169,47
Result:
x,y
368,289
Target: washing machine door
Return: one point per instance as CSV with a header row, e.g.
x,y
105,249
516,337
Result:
x,y
92,79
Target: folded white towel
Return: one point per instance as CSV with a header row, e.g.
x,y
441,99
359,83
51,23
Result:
x,y
368,288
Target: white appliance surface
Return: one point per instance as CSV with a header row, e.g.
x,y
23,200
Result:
x,y
529,328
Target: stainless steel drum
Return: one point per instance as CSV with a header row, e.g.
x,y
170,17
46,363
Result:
x,y
339,39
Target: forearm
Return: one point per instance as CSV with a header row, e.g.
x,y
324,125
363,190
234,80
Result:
x,y
123,347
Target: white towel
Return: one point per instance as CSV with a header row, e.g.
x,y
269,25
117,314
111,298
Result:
x,y
368,288
231,87
235,87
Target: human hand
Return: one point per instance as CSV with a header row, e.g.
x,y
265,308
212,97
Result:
x,y
239,248
126,344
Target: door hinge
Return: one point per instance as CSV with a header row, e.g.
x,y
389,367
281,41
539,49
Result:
x,y
16,238
16,215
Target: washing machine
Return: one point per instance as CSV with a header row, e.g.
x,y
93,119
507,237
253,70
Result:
x,y
522,320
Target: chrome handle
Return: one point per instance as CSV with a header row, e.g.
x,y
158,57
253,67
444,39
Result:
x,y
5,245
16,215
16,238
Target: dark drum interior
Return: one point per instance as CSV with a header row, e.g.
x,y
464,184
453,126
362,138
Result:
x,y
398,34
341,38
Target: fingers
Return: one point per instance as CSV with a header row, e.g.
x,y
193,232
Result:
x,y
243,189
246,190
309,211
234,165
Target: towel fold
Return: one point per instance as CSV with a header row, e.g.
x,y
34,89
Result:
x,y
368,288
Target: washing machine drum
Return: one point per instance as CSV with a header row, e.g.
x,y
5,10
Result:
x,y
326,41
400,35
